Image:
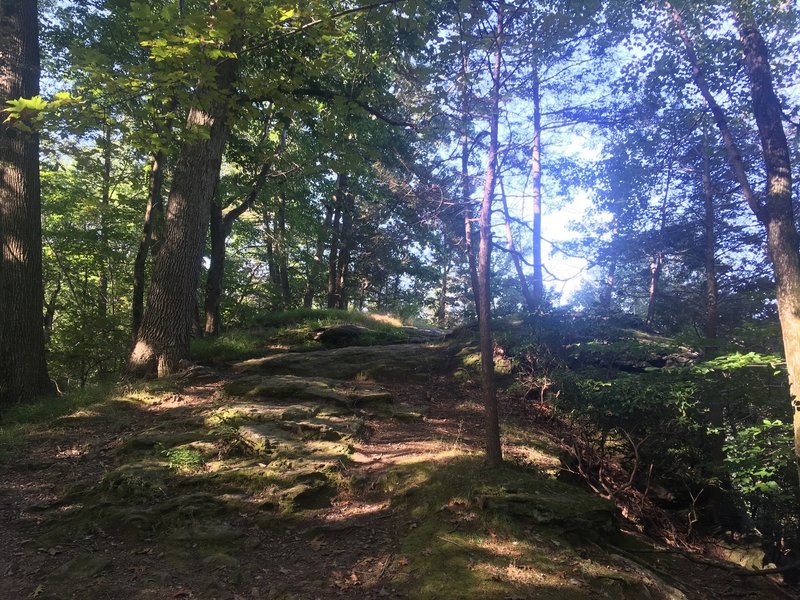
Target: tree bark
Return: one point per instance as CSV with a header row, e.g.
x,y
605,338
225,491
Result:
x,y
441,309
154,207
777,211
536,191
216,268
164,335
23,366
220,228
494,453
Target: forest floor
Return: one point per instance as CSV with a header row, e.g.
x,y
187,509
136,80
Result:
x,y
272,479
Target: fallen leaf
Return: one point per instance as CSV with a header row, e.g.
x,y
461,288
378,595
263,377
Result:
x,y
38,591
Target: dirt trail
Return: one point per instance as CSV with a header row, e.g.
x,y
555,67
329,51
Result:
x,y
254,484
346,549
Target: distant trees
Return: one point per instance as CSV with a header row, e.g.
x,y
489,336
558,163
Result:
x,y
23,369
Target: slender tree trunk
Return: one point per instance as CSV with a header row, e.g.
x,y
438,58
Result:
x,y
315,270
50,310
657,264
333,255
536,192
710,254
466,180
494,453
164,335
154,207
344,251
283,257
608,285
530,302
216,269
220,228
105,200
441,309
23,367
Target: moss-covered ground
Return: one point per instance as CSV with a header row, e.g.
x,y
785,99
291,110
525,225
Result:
x,y
295,482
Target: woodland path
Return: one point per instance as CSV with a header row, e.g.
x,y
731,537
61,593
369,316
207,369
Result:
x,y
251,484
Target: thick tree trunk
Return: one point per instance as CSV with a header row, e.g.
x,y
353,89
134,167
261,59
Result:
x,y
777,211
494,453
536,192
23,368
154,207
164,335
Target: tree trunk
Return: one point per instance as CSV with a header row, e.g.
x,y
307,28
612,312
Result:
x,y
220,228
656,266
777,211
216,269
23,367
536,192
608,285
283,256
333,255
315,270
466,180
344,251
164,335
530,302
494,453
712,317
105,200
441,309
154,207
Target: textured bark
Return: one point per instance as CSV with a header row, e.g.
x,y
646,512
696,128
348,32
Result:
x,y
494,453
23,368
154,207
777,211
536,191
163,339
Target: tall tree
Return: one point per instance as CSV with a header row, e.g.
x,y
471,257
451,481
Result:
x,y
494,453
775,211
163,338
23,367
